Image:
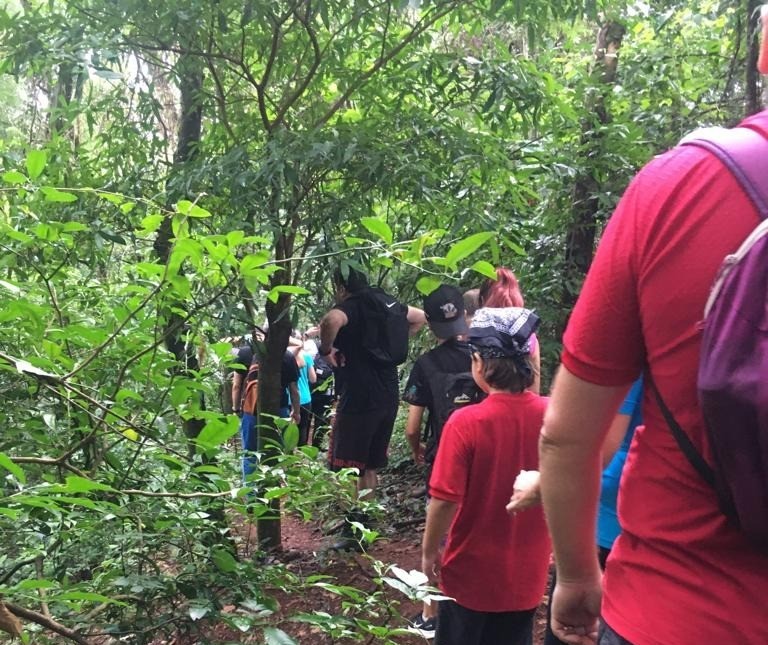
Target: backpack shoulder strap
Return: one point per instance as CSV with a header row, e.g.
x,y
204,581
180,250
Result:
x,y
745,153
683,440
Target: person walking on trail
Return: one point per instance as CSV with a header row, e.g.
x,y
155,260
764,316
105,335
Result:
x,y
248,371
682,571
365,337
307,378
440,382
494,565
505,291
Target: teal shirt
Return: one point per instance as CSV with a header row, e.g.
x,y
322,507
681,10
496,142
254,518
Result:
x,y
305,396
608,527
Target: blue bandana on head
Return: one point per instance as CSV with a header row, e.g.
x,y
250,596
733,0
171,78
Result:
x,y
503,332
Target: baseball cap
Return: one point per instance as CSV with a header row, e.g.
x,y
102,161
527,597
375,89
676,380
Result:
x,y
444,309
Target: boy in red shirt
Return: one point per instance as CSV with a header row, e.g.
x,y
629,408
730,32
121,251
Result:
x,y
494,565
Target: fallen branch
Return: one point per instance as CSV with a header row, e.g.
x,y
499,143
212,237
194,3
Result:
x,y
47,623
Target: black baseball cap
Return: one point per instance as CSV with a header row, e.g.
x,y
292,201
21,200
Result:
x,y
444,309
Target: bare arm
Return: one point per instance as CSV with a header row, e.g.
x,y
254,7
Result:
x,y
416,320
615,436
413,432
527,491
237,387
312,375
330,325
440,514
293,389
575,425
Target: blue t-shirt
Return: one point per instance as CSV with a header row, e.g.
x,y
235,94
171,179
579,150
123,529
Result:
x,y
305,396
608,527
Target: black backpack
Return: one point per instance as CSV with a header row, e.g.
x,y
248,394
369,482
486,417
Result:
x,y
385,329
324,373
450,391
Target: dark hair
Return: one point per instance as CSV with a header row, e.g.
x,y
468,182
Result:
x,y
471,301
503,374
504,291
355,280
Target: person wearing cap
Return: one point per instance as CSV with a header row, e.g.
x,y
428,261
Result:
x,y
494,565
445,314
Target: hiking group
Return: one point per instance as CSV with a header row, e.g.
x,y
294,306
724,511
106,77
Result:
x,y
642,380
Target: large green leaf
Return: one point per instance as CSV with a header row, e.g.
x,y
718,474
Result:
x,y
427,284
14,177
217,431
36,160
14,469
466,247
275,292
378,227
55,195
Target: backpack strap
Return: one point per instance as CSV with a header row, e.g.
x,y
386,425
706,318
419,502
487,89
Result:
x,y
744,152
683,440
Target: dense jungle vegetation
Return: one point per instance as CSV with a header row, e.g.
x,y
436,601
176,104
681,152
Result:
x,y
173,172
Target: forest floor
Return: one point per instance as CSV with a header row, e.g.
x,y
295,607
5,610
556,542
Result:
x,y
307,552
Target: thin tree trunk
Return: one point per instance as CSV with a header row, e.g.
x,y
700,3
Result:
x,y
580,237
270,381
752,78
190,128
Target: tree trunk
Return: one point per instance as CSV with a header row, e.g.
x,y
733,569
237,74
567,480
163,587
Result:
x,y
190,128
752,78
580,237
270,382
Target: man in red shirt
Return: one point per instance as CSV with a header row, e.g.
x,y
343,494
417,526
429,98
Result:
x,y
679,573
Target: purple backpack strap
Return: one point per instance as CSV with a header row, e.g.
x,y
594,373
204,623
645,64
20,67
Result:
x,y
744,152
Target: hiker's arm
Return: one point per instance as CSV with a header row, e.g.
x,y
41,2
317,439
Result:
x,y
312,375
416,320
334,320
440,514
615,436
293,389
527,487
237,385
413,432
575,425
526,491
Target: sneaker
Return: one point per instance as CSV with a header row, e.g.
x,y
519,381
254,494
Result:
x,y
424,626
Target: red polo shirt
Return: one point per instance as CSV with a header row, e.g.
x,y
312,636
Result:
x,y
492,561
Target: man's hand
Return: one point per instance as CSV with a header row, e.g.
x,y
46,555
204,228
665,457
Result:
x,y
430,566
335,358
575,611
418,452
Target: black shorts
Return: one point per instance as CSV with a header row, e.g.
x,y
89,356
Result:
x,y
361,440
457,625
607,636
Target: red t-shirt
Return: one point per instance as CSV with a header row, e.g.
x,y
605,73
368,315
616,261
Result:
x,y
492,561
679,574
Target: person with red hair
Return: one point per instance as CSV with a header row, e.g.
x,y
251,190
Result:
x,y
505,291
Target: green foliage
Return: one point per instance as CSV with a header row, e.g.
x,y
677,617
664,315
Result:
x,y
425,142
